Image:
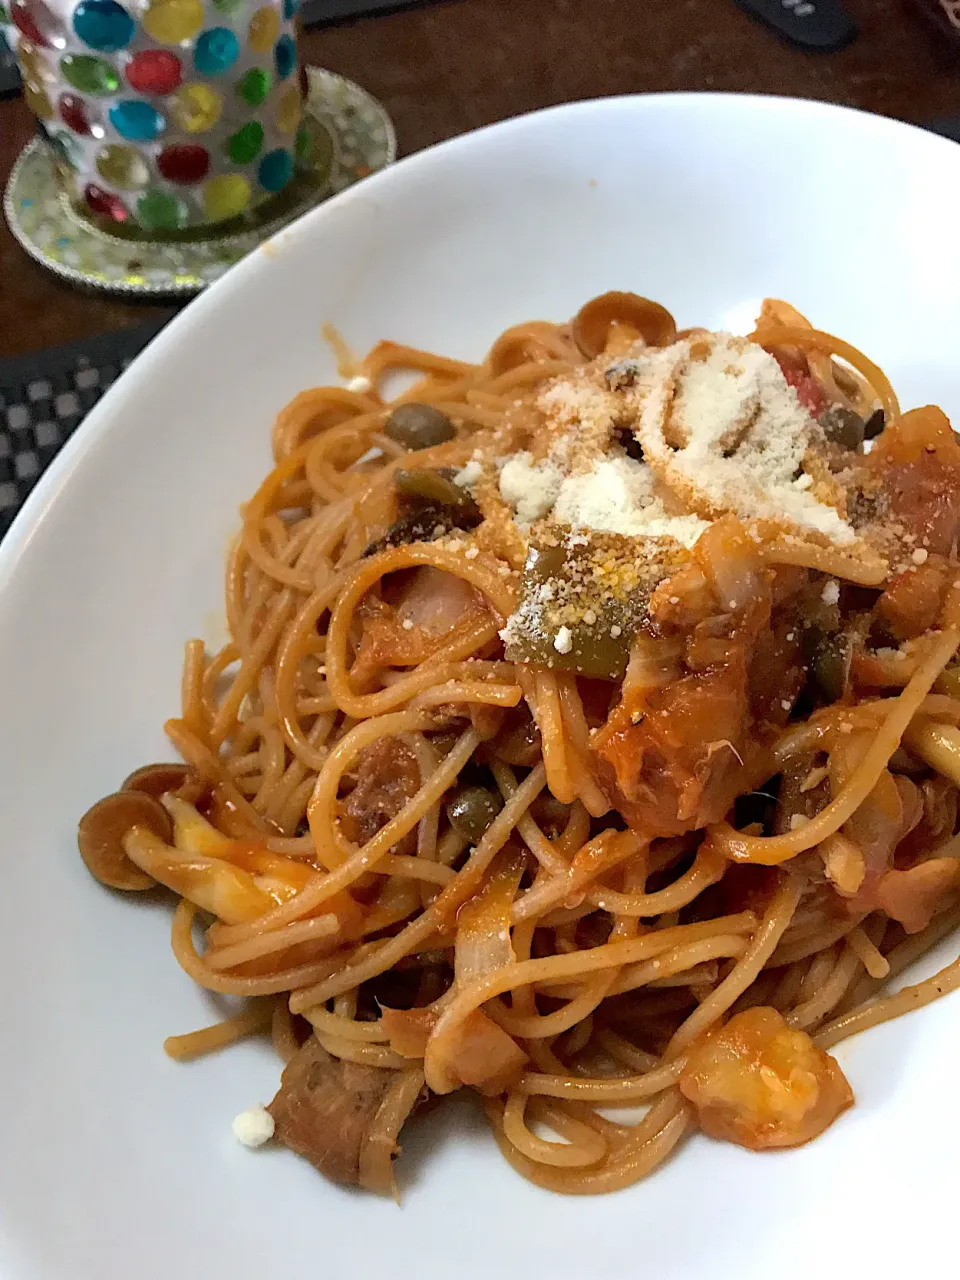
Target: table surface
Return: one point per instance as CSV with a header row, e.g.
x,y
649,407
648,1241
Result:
x,y
447,67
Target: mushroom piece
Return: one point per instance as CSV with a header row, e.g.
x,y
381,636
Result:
x,y
157,779
627,312
101,833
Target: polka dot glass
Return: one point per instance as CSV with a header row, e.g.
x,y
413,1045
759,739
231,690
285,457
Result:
x,y
167,116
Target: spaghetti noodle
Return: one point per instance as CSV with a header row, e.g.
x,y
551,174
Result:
x,y
587,736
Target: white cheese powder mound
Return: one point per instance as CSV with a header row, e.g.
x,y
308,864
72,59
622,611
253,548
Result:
x,y
563,641
721,431
253,1127
468,476
720,428
529,487
617,496
726,432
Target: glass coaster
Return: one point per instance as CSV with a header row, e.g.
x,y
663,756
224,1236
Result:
x,y
352,136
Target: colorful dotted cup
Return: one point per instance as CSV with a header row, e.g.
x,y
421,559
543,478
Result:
x,y
166,116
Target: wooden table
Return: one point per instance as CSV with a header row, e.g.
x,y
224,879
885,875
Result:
x,y
452,66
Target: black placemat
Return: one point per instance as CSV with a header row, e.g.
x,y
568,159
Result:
x,y
9,76
46,395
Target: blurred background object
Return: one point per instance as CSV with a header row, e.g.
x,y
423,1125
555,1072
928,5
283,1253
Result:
x,y
944,15
818,25
334,10
166,117
9,73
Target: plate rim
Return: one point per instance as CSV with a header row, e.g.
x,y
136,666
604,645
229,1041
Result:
x,y
40,502
54,498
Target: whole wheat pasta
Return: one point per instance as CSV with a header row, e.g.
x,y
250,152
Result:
x,y
588,735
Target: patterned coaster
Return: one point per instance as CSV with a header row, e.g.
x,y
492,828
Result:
x,y
351,137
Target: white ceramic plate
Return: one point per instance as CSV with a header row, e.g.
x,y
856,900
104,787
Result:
x,y
116,1164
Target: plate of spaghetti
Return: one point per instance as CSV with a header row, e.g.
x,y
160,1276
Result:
x,y
559,816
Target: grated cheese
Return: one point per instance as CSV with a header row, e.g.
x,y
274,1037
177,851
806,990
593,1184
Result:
x,y
831,592
721,431
563,641
814,778
618,496
579,404
468,476
529,487
253,1127
615,495
727,433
